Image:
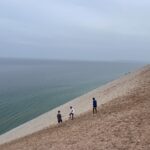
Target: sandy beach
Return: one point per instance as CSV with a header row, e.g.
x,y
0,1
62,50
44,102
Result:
x,y
122,121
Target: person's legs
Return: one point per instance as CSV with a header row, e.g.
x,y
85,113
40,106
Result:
x,y
72,116
94,110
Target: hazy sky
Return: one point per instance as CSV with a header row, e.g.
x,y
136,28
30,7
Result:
x,y
75,29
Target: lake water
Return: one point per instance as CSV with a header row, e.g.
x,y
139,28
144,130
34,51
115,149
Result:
x,y
29,88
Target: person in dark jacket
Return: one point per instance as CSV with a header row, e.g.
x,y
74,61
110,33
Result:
x,y
59,117
94,106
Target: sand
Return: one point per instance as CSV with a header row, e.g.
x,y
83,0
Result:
x,y
123,120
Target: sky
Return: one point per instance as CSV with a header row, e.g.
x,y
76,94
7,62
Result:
x,y
75,29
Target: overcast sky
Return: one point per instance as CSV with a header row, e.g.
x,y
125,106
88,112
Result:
x,y
75,29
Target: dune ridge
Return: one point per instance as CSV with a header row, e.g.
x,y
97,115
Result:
x,y
118,102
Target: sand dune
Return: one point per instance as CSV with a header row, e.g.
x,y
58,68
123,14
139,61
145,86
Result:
x,y
122,122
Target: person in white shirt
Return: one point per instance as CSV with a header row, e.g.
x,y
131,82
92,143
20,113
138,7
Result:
x,y
72,111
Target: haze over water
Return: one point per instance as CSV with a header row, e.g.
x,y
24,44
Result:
x,y
29,88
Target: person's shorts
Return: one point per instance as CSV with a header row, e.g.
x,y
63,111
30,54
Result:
x,y
59,121
71,114
94,107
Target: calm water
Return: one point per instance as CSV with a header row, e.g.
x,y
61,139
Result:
x,y
29,88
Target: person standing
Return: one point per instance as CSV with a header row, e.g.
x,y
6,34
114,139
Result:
x,y
72,111
94,106
59,117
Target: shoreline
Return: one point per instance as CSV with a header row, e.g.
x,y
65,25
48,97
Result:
x,y
81,104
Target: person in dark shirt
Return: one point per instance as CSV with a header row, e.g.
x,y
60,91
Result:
x,y
59,118
94,106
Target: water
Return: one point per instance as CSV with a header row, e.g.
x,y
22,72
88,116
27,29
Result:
x,y
29,88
